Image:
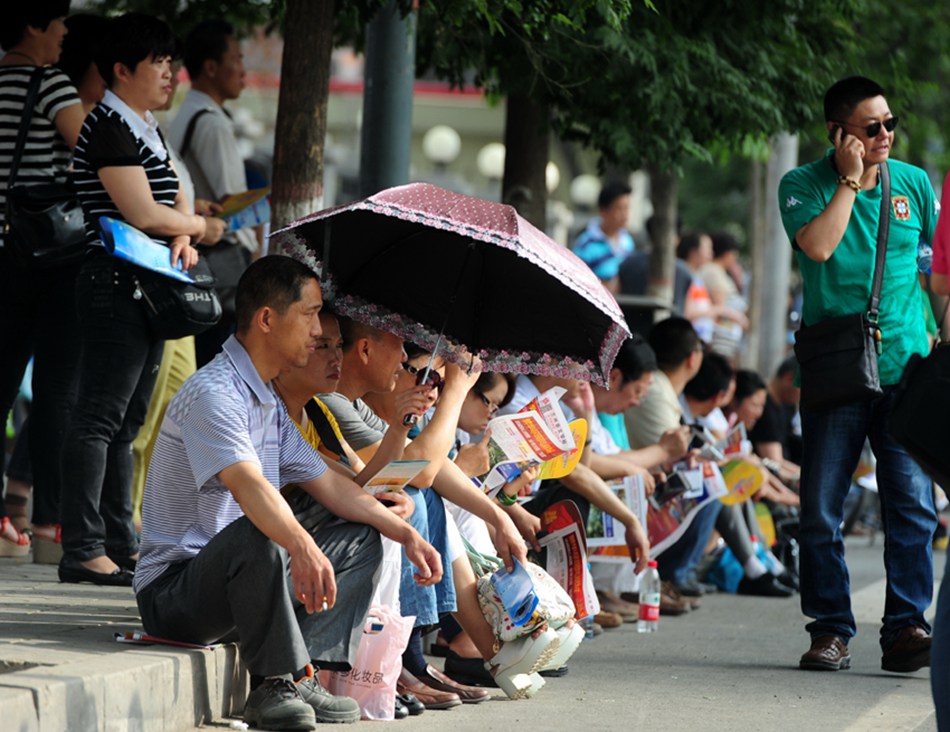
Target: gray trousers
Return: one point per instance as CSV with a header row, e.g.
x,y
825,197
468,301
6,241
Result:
x,y
238,588
736,525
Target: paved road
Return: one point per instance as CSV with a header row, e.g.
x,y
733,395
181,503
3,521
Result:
x,y
732,665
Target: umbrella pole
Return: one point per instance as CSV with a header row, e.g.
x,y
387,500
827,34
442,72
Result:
x,y
325,273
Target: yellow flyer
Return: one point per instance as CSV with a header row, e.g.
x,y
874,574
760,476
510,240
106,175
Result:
x,y
564,464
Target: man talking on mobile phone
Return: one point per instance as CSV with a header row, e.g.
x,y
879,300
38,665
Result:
x,y
831,210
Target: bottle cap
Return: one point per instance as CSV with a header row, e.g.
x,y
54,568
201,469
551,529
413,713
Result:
x,y
652,563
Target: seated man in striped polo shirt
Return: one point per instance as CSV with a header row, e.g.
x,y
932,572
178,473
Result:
x,y
222,555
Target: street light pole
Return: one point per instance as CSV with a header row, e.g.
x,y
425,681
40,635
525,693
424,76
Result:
x,y
390,71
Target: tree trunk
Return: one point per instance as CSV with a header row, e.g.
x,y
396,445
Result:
x,y
526,157
773,327
297,188
663,195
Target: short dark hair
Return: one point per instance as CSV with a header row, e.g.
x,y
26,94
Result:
x,y
845,95
82,44
713,378
487,381
207,41
747,383
634,359
673,340
18,16
611,191
352,330
274,281
132,38
689,243
723,243
788,366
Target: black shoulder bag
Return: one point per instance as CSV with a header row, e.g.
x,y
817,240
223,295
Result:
x,y
837,358
43,224
920,415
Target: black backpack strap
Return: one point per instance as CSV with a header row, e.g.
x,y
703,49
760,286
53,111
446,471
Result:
x,y
883,227
190,131
324,428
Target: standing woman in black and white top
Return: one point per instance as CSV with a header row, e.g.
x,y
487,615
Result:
x,y
121,169
37,307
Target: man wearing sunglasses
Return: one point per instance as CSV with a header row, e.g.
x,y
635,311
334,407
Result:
x,y
830,209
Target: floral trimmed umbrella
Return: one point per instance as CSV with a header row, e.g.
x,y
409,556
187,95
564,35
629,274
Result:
x,y
472,276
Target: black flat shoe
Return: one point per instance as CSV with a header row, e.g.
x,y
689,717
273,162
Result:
x,y
401,712
413,705
71,570
124,562
470,671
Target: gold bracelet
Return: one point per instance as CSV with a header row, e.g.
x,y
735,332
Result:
x,y
844,180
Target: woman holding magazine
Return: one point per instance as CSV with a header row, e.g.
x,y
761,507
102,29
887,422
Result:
x,y
121,170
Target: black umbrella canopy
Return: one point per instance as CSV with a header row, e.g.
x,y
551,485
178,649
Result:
x,y
420,261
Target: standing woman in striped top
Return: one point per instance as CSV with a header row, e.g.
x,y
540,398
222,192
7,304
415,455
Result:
x,y
121,169
37,307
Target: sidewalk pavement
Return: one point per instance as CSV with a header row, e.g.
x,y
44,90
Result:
x,y
732,664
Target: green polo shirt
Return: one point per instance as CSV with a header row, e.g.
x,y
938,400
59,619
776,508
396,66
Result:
x,y
842,285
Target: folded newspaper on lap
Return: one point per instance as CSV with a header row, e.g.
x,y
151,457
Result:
x,y
128,243
538,433
394,476
243,210
566,547
667,521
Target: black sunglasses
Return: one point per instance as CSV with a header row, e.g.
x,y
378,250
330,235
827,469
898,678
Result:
x,y
492,407
433,378
874,129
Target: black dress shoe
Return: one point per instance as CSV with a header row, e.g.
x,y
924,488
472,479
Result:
x,y
470,671
401,712
72,570
788,580
764,586
690,588
412,705
554,673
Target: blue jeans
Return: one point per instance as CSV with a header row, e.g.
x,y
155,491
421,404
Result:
x,y
427,603
832,443
676,563
117,372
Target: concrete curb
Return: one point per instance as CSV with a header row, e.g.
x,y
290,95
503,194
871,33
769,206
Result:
x,y
152,690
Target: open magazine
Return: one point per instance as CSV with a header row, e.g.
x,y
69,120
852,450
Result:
x,y
566,547
604,530
243,210
537,434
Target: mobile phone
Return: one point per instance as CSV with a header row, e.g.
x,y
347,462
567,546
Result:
x,y
834,132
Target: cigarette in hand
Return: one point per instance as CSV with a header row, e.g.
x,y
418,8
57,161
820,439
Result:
x,y
325,606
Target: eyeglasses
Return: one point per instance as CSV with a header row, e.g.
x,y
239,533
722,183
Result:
x,y
874,129
492,407
433,378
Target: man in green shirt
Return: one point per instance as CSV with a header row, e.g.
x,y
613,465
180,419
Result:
x,y
830,209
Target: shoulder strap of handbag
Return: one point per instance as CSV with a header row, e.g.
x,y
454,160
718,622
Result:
x,y
28,104
883,226
322,425
190,131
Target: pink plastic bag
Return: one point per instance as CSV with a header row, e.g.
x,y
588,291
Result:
x,y
372,680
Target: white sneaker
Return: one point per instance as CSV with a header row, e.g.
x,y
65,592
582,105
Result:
x,y
517,663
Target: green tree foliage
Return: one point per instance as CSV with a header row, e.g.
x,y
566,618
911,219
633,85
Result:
x,y
185,15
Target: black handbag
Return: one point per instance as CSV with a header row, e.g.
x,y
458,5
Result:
x,y
837,358
176,309
920,414
44,224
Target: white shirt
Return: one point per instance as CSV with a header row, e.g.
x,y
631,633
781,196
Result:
x,y
144,129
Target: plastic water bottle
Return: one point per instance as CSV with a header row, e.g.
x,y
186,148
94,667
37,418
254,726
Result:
x,y
649,600
925,257
588,625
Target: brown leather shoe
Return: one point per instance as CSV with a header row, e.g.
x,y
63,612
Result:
x,y
611,603
827,653
435,679
431,698
608,620
672,602
910,651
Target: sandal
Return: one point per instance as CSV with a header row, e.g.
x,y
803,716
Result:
x,y
48,551
8,547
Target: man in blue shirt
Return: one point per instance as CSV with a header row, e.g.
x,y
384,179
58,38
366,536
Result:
x,y
222,555
605,243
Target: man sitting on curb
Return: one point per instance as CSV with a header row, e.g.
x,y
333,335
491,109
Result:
x,y
222,556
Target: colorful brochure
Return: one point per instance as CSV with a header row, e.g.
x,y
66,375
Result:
x,y
247,209
394,476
